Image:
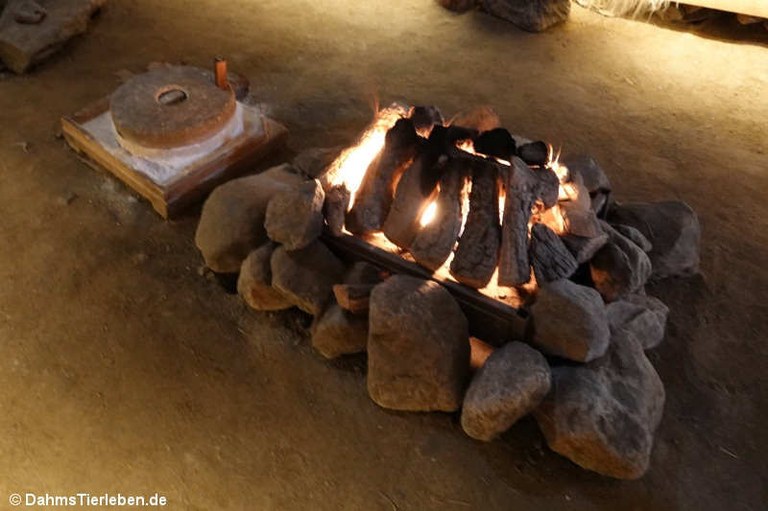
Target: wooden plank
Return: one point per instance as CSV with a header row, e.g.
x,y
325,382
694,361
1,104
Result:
x,y
757,8
493,321
236,157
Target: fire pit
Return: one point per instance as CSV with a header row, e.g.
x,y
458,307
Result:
x,y
426,232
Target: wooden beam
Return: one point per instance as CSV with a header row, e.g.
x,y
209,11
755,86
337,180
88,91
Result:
x,y
757,8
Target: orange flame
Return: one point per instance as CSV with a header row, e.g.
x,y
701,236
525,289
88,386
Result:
x,y
350,167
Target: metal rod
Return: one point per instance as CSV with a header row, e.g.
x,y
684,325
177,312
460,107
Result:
x,y
220,73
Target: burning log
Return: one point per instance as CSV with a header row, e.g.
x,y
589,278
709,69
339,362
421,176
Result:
x,y
514,265
416,189
354,298
548,189
478,251
425,117
374,198
497,142
534,153
435,241
550,257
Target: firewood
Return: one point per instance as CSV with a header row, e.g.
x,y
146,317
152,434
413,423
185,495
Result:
x,y
415,190
374,197
425,117
550,257
477,254
548,189
497,142
335,208
534,153
519,183
435,241
354,298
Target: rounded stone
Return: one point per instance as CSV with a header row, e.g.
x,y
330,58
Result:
x,y
171,107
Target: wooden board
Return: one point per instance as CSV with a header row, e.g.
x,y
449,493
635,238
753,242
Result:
x,y
235,157
757,8
493,321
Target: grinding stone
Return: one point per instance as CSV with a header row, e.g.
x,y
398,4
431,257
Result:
x,y
140,117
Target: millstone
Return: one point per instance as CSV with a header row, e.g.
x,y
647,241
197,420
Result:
x,y
171,107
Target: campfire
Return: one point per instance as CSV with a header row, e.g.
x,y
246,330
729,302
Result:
x,y
443,249
488,210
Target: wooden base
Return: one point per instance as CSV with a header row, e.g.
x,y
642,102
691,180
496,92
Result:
x,y
493,321
235,157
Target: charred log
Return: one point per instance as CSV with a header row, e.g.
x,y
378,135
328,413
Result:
x,y
497,142
435,241
425,117
534,153
415,190
550,258
477,253
374,198
514,264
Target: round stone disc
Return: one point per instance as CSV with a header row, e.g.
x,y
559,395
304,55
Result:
x,y
171,107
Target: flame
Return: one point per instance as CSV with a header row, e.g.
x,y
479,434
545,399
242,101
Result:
x,y
350,167
429,214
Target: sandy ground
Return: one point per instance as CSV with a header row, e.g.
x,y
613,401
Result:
x,y
122,369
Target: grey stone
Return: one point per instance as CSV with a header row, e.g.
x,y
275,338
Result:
x,y
673,229
634,236
295,216
254,284
586,169
570,321
314,162
583,249
510,385
337,332
306,277
642,317
27,38
232,220
418,346
603,415
620,268
530,15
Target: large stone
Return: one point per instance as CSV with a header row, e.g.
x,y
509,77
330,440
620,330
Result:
x,y
641,317
530,15
570,321
418,346
232,220
459,6
254,284
306,277
510,385
603,415
314,162
337,332
673,229
30,32
620,268
295,216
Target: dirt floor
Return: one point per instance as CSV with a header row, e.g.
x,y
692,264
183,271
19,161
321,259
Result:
x,y
123,369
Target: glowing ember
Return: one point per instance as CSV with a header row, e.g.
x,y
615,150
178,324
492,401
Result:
x,y
350,167
429,214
